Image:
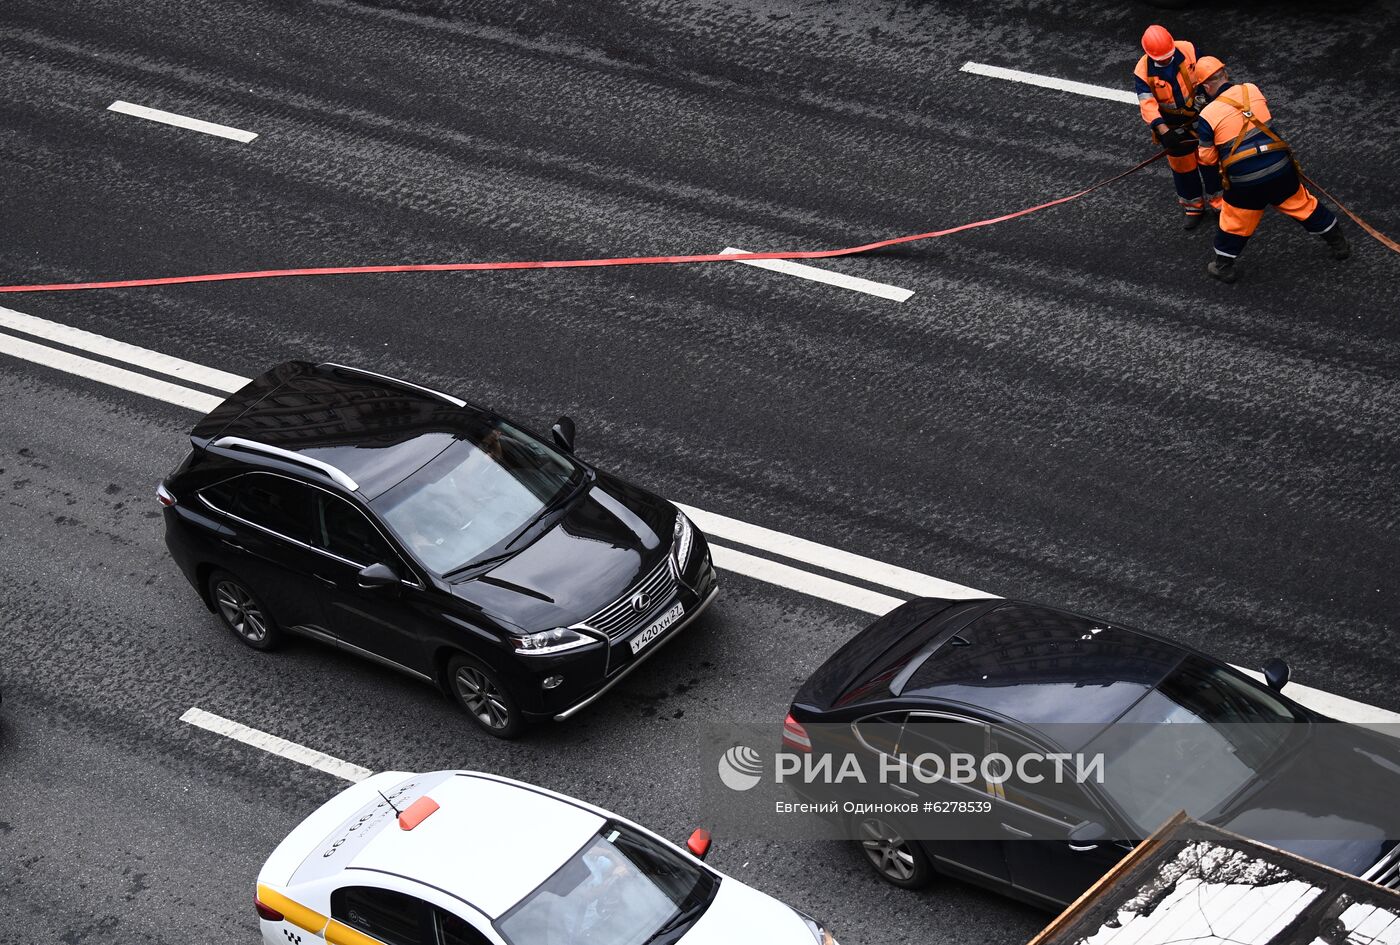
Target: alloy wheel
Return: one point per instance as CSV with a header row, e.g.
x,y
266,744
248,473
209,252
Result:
x,y
241,611
887,850
481,697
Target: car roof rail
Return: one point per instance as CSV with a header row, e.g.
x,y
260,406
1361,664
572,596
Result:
x,y
239,443
397,382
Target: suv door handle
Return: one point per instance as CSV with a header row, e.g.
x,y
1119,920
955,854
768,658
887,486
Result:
x,y
325,580
234,545
1015,831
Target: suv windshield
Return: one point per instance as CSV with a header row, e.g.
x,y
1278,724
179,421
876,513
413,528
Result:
x,y
476,495
1155,766
622,888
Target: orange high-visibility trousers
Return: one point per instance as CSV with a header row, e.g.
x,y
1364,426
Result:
x,y
1240,221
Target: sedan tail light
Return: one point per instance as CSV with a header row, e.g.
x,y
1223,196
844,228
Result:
x,y
795,736
164,496
265,911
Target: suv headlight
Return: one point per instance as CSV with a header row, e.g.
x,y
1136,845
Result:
x,y
681,539
549,642
819,932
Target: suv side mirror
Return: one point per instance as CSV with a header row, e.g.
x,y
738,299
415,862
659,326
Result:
x,y
1087,836
699,843
378,575
1276,673
563,431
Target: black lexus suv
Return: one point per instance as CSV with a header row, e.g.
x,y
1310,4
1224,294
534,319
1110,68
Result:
x,y
410,527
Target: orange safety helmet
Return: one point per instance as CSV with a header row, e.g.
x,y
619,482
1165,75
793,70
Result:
x,y
1157,42
1206,67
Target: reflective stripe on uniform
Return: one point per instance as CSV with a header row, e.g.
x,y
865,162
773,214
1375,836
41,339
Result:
x,y
294,912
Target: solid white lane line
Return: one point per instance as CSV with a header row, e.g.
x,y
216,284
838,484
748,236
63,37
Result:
x,y
815,585
755,536
828,558
182,121
121,351
790,268
107,374
275,745
1050,82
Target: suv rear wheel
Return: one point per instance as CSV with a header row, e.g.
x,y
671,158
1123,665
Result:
x,y
479,691
243,612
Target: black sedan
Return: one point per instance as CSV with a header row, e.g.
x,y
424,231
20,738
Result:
x,y
1175,730
431,535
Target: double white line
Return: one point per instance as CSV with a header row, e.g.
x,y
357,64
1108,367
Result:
x,y
875,594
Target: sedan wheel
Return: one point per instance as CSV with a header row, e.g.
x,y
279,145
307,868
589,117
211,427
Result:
x,y
479,691
897,860
242,611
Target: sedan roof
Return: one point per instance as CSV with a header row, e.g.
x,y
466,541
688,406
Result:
x,y
1039,665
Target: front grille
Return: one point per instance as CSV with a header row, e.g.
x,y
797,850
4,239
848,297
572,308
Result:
x,y
1386,872
620,618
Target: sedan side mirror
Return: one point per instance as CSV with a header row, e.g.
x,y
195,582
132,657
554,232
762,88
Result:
x,y
699,843
563,431
1276,673
1087,836
378,575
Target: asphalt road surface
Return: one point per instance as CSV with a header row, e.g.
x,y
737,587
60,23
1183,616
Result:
x,y
1066,410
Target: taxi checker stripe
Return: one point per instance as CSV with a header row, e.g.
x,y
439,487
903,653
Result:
x,y
294,912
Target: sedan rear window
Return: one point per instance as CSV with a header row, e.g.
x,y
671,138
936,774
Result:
x,y
477,495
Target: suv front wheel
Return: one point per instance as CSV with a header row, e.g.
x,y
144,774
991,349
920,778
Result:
x,y
479,691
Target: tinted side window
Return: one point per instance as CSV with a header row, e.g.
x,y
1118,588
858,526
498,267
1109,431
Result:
x,y
274,502
881,732
454,930
1061,798
343,530
943,739
391,917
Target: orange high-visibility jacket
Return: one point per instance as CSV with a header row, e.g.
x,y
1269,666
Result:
x,y
1165,92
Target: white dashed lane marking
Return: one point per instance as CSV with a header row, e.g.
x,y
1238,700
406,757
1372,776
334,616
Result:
x,y
182,121
1050,82
274,744
789,268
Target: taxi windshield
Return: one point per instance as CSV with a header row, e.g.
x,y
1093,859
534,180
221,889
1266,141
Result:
x,y
477,495
622,888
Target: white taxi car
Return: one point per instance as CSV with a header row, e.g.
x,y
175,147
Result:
x,y
464,858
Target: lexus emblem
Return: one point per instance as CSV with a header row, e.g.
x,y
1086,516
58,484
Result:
x,y
640,602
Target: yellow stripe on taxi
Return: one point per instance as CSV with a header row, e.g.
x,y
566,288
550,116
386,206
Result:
x,y
294,912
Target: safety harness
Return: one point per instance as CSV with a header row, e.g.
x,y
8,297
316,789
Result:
x,y
1274,144
1173,114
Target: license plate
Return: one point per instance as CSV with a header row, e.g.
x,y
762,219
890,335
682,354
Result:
x,y
657,628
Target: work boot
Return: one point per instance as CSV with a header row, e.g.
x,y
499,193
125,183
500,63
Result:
x,y
1193,219
1337,242
1223,268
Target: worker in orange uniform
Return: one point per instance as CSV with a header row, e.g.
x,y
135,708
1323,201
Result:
x,y
1166,84
1257,167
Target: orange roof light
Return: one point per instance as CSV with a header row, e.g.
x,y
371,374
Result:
x,y
417,812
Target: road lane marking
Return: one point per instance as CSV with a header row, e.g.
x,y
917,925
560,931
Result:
x,y
182,121
107,374
69,337
795,579
1050,82
828,558
764,539
855,284
274,744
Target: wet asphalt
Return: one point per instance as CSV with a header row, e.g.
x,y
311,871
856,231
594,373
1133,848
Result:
x,y
1066,410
